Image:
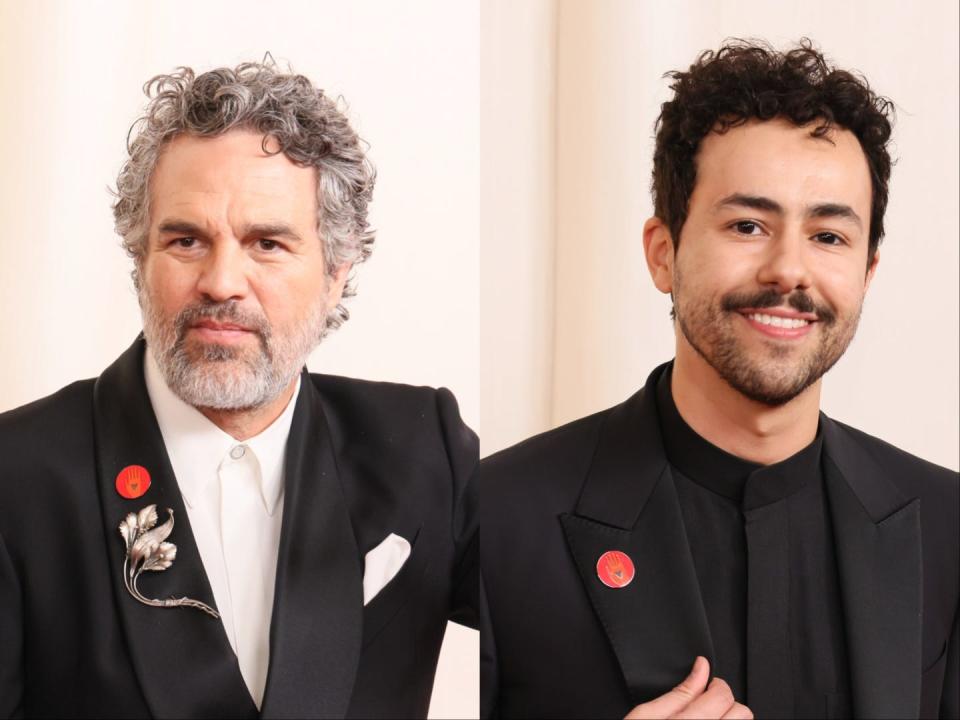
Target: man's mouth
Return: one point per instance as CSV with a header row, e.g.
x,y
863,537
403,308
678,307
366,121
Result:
x,y
220,331
779,322
212,325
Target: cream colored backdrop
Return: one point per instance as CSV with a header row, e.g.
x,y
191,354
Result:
x,y
570,321
70,83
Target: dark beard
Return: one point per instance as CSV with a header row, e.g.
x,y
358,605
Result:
x,y
707,329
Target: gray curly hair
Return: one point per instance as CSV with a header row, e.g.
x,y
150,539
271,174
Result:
x,y
308,126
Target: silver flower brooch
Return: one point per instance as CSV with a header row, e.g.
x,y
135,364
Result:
x,y
148,551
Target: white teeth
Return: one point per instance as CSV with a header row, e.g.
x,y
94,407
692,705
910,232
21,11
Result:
x,y
777,321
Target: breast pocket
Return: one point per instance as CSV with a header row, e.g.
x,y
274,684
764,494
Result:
x,y
387,603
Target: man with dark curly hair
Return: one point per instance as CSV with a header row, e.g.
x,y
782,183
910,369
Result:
x,y
207,529
715,546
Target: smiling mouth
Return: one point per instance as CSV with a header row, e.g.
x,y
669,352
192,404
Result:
x,y
776,322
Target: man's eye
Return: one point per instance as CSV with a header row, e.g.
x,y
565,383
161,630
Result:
x,y
829,238
268,245
747,227
184,242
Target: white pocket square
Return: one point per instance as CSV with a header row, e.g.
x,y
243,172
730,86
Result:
x,y
382,564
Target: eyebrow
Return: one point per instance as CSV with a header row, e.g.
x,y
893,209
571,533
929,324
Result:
x,y
835,210
753,202
820,210
265,229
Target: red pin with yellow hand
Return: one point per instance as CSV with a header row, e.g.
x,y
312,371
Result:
x,y
615,569
133,481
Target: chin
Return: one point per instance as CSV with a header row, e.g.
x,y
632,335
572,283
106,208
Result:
x,y
214,354
766,386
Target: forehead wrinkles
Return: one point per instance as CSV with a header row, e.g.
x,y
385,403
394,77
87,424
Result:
x,y
212,214
232,165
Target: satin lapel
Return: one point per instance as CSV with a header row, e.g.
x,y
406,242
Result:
x,y
657,624
181,656
877,536
317,621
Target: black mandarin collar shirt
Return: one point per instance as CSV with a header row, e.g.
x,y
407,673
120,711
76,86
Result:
x,y
749,484
762,548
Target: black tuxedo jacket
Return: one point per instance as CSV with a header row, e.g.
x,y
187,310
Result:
x,y
556,642
363,460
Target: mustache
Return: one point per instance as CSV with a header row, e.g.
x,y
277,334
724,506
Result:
x,y
229,311
798,300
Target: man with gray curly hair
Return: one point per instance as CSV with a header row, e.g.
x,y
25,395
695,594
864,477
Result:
x,y
276,527
256,113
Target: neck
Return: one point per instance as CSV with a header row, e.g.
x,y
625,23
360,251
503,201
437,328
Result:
x,y
735,423
244,424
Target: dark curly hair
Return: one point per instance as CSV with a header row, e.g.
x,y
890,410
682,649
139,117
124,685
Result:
x,y
746,80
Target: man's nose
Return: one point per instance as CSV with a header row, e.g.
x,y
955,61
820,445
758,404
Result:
x,y
786,263
224,273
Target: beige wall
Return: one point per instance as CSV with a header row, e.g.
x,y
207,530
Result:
x,y
606,326
517,219
71,83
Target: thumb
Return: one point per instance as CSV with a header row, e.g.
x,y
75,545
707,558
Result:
x,y
677,699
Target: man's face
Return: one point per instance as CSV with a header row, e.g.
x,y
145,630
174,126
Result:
x,y
234,289
771,270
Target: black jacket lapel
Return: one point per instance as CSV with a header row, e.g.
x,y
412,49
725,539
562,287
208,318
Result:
x,y
877,533
317,621
181,656
657,624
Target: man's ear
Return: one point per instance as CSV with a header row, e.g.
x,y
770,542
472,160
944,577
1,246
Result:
x,y
871,271
658,250
338,280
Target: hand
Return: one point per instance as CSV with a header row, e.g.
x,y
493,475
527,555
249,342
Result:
x,y
693,698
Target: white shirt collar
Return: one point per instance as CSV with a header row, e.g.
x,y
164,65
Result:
x,y
196,446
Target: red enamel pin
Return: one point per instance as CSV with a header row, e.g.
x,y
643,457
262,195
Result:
x,y
133,481
615,569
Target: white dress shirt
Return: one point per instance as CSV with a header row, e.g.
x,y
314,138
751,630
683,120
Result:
x,y
233,493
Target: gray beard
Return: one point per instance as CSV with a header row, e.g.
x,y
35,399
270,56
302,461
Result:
x,y
219,377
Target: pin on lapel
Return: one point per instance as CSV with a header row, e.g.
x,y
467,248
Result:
x,y
147,550
133,481
615,569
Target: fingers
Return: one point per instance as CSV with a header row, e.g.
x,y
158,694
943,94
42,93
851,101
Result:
x,y
693,698
738,712
715,702
696,681
668,704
